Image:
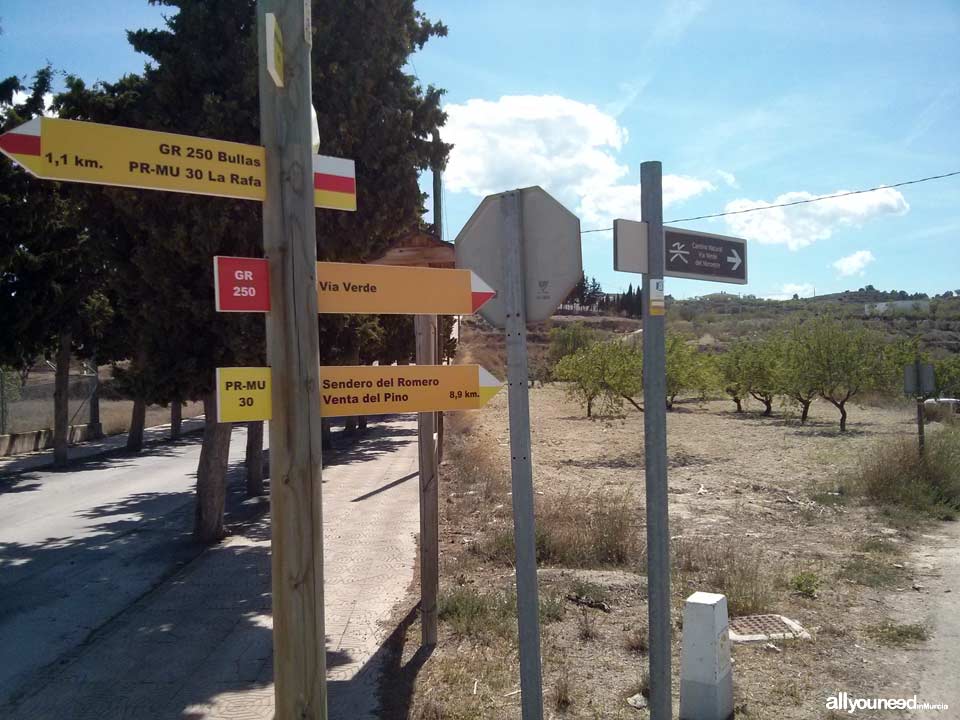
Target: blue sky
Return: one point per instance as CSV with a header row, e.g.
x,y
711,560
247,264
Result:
x,y
744,103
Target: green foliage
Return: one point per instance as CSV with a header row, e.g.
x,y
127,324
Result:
x,y
805,583
797,380
732,370
845,359
947,372
606,373
50,265
688,370
568,339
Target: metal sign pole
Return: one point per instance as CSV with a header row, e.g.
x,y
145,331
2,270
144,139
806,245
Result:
x,y
655,445
521,467
919,398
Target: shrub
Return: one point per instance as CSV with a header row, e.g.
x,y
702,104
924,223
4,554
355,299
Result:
x,y
893,474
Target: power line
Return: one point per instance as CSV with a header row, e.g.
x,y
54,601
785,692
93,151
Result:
x,y
796,202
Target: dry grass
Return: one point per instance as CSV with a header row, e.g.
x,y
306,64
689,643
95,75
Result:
x,y
562,693
637,641
897,634
894,475
600,531
729,566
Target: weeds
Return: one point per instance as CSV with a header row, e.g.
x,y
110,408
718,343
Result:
x,y
806,584
637,641
729,567
870,572
895,475
587,626
597,533
891,633
483,616
562,696
585,589
880,546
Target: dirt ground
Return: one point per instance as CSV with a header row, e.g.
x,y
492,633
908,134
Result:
x,y
770,493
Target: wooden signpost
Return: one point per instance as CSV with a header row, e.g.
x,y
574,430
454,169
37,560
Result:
x,y
76,151
243,394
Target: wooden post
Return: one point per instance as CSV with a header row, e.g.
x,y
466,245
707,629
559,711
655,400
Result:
x,y
426,331
290,244
437,170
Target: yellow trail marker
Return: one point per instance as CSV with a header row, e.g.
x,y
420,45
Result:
x,y
274,49
75,151
397,290
243,394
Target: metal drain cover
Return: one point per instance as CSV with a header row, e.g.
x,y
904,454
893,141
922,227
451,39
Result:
x,y
763,628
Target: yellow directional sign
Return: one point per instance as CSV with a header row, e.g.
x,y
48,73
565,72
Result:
x,y
371,390
75,151
243,394
396,290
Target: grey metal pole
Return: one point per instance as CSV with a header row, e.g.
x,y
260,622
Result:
x,y
918,371
293,353
655,445
425,327
521,465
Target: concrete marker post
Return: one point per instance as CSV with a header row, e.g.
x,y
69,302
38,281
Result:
x,y
706,673
655,445
521,465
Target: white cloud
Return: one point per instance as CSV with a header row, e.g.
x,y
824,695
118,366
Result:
x,y
19,96
729,178
788,290
567,147
803,225
854,264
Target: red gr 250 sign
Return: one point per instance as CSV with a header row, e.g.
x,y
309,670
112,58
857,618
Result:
x,y
242,284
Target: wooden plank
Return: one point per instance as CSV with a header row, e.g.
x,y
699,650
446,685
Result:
x,y
289,240
425,327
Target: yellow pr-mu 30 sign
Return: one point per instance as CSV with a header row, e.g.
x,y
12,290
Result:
x,y
243,394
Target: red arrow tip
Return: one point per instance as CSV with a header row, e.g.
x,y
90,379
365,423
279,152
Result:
x,y
479,298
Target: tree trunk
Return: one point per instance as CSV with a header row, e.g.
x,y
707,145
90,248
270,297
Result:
x,y
326,437
95,426
739,403
61,399
138,419
254,459
208,522
842,407
589,406
176,419
768,404
350,425
805,404
362,423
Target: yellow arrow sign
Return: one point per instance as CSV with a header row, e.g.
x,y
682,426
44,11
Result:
x,y
243,394
74,151
396,290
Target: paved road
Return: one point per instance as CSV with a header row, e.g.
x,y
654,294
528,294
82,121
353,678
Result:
x,y
79,546
122,633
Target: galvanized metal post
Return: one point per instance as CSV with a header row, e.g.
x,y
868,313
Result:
x,y
425,327
920,393
655,445
521,465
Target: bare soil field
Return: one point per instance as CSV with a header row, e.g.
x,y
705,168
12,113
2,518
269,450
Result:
x,y
760,509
